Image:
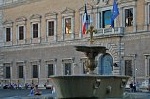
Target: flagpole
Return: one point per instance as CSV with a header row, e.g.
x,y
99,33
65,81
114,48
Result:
x,y
85,2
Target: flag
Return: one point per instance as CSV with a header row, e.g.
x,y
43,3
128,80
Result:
x,y
85,21
115,13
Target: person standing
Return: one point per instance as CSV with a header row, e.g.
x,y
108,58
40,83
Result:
x,y
131,87
37,91
31,91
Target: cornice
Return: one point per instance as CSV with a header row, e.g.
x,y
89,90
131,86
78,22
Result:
x,y
17,3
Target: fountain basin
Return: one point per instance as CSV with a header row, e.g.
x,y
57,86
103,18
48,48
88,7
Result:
x,y
89,86
91,48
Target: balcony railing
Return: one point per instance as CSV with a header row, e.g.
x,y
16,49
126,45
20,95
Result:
x,y
110,31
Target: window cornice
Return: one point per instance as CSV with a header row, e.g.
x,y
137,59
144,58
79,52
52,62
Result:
x,y
35,16
19,19
51,15
68,10
8,23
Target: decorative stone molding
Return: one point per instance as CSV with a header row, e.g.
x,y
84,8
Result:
x,y
8,23
21,20
35,17
68,12
83,59
21,63
51,61
51,15
35,62
68,60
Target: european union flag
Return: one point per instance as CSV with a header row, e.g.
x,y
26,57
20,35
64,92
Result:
x,y
115,13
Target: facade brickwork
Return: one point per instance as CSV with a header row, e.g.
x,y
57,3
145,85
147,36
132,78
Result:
x,y
123,42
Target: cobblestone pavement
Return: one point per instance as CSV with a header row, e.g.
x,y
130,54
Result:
x,y
19,94
137,95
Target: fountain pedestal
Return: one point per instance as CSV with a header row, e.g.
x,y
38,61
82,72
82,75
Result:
x,y
91,51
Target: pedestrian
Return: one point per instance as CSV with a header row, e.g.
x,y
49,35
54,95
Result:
x,y
31,91
131,87
134,87
37,91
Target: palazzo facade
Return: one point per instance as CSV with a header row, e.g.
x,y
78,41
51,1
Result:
x,y
38,39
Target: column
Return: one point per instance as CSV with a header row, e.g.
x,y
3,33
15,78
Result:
x,y
39,71
146,66
24,68
72,28
63,34
80,32
134,19
146,17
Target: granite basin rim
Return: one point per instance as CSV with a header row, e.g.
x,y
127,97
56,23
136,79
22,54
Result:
x,y
91,48
102,76
71,86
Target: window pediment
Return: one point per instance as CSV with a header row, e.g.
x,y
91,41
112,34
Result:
x,y
70,60
51,15
100,2
35,16
88,7
68,10
21,19
35,61
50,61
127,3
8,23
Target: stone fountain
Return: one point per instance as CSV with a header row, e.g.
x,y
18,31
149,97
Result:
x,y
91,85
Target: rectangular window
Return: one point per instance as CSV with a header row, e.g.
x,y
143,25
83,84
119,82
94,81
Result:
x,y
50,28
129,17
35,71
149,67
67,68
20,70
128,67
68,26
106,21
50,70
100,23
35,30
149,13
8,72
21,32
8,34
